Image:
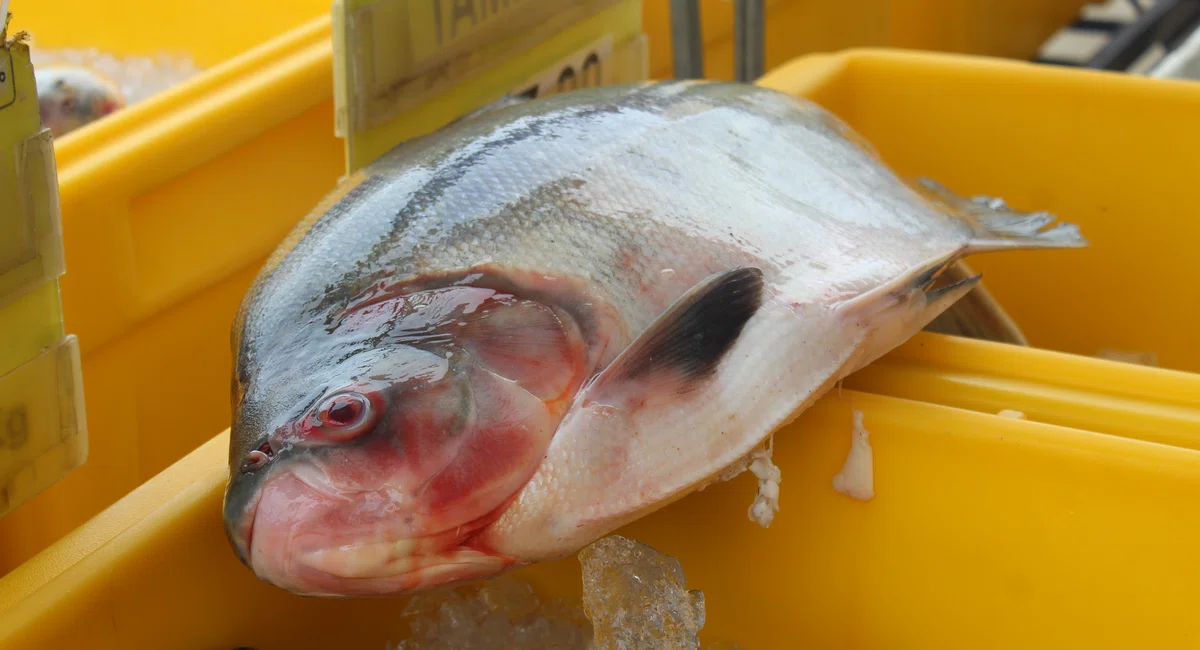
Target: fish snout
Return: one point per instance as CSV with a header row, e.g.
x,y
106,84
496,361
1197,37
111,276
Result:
x,y
310,541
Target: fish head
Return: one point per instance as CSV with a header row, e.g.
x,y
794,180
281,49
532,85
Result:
x,y
372,466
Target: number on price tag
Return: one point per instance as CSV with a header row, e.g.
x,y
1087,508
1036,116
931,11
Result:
x,y
587,67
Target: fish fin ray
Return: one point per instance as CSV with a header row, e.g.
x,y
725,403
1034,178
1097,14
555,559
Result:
x,y
977,314
999,227
896,310
904,286
937,300
689,339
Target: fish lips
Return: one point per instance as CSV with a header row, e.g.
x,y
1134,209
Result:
x,y
242,495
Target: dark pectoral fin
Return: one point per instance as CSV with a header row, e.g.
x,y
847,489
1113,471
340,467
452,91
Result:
x,y
687,341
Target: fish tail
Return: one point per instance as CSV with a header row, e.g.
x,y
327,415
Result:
x,y
999,227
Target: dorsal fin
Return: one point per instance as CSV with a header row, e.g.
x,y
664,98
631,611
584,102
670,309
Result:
x,y
685,344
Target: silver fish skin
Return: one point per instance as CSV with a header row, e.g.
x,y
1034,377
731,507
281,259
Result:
x,y
509,337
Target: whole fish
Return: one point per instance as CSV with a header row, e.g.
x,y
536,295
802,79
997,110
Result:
x,y
70,97
507,338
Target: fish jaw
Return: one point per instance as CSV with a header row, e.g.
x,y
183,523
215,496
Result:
x,y
303,539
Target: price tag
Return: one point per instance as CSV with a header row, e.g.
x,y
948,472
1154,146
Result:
x,y
587,67
442,25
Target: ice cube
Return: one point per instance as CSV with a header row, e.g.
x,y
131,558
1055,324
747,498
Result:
x,y
766,501
857,477
499,614
637,598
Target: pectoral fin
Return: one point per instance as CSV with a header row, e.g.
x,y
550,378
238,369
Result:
x,y
685,344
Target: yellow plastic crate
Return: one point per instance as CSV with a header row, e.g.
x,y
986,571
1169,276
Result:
x,y
1070,529
170,206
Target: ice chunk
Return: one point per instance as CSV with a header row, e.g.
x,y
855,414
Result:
x,y
501,613
857,478
766,502
637,598
1129,356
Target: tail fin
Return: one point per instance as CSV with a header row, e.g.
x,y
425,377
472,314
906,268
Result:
x,y
999,227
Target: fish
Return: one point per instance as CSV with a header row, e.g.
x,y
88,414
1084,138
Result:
x,y
506,338
70,97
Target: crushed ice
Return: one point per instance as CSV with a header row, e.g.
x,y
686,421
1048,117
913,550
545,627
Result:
x,y
634,597
766,501
79,86
501,613
857,477
139,77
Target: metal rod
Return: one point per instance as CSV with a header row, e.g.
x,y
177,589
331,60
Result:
x,y
1163,22
749,29
687,44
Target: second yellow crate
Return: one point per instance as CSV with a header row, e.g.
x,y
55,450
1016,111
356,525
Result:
x,y
1072,529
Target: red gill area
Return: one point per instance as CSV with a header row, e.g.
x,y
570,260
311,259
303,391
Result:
x,y
522,340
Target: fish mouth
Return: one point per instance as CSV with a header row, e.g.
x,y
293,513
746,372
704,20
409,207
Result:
x,y
242,496
351,573
299,537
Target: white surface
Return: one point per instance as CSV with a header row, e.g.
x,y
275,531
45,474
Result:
x,y
1183,63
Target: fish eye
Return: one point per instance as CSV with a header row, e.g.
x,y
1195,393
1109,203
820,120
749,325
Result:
x,y
344,411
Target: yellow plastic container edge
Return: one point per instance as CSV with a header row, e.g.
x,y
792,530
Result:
x,y
81,575
118,160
